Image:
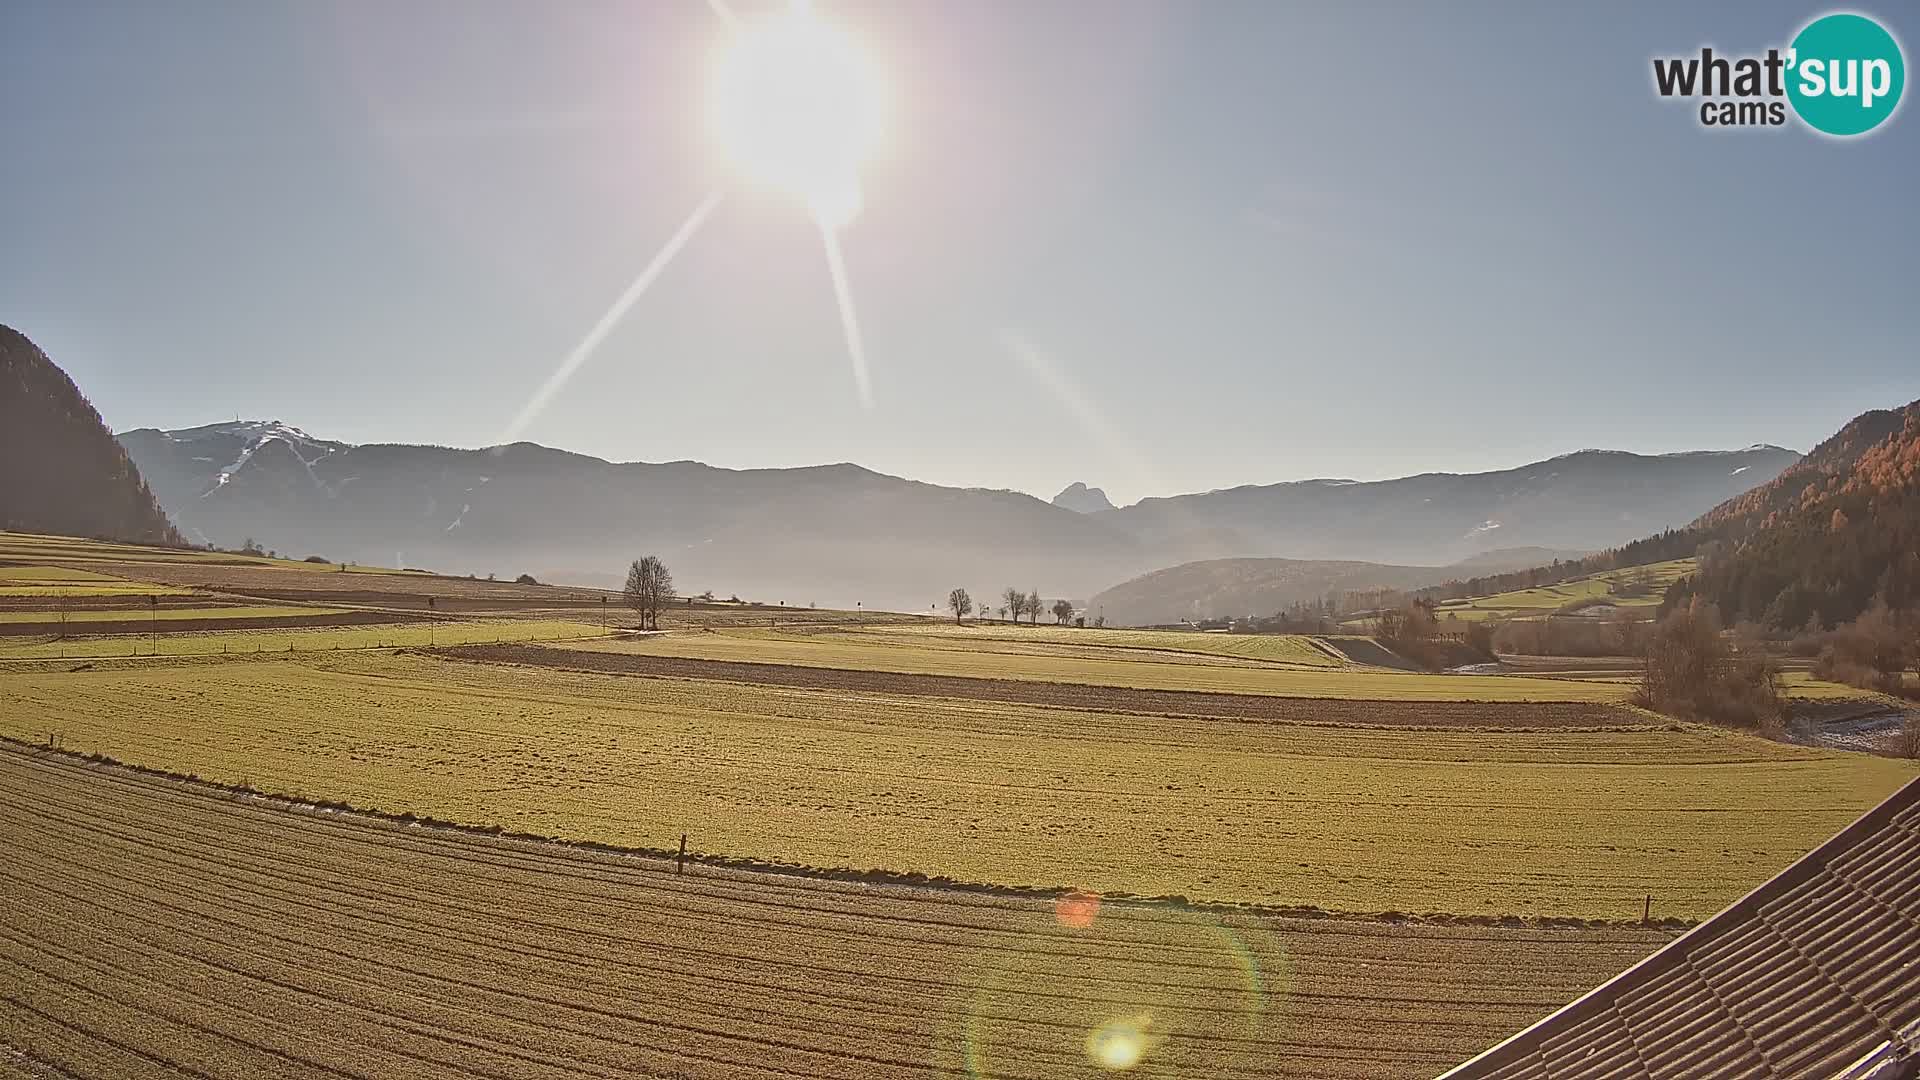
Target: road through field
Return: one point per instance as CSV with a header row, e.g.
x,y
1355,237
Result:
x,y
150,927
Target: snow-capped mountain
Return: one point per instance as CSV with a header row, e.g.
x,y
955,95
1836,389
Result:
x,y
191,463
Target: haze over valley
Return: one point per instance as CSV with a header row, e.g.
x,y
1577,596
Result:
x,y
840,534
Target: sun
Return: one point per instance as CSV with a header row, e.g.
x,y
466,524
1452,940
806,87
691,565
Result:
x,y
797,105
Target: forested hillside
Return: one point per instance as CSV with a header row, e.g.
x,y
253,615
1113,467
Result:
x,y
60,469
1824,538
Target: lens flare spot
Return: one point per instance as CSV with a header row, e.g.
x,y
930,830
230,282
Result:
x,y
1077,909
1119,1045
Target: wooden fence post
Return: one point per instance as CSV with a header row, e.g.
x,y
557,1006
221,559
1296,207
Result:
x,y
679,861
1646,916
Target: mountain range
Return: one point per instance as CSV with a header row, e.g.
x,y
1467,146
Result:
x,y
841,534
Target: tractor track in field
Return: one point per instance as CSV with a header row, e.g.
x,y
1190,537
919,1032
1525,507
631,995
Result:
x,y
1340,712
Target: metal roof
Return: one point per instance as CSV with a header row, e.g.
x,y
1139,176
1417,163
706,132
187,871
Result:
x,y
1814,974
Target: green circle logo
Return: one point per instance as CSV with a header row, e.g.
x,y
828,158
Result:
x,y
1845,74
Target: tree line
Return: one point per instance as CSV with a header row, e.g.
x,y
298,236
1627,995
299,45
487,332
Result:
x,y
1013,603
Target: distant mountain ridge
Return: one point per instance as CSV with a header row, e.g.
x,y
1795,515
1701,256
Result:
x,y
1587,500
60,469
1082,499
1232,588
189,463
843,534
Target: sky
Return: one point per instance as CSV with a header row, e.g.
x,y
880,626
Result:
x,y
1154,247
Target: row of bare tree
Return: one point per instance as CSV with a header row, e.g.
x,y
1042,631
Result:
x,y
1016,604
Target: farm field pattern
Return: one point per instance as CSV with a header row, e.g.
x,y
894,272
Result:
x,y
1573,823
171,929
1211,788
378,635
988,657
1593,588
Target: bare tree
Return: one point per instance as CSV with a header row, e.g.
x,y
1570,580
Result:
x,y
1691,672
1003,613
960,604
1034,606
635,592
662,587
1062,611
649,586
1016,603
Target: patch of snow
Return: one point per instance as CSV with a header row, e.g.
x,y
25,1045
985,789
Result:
x,y
1740,470
227,473
1483,527
458,518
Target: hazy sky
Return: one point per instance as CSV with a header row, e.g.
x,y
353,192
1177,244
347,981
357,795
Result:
x,y
1155,247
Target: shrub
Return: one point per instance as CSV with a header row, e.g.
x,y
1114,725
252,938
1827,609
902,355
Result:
x,y
1906,742
1480,638
525,579
318,559
1871,652
1691,672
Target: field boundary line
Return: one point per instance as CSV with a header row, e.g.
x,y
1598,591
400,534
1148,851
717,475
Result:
x,y
1011,690
874,877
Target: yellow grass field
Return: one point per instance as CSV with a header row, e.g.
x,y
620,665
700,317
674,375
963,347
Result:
x,y
56,582
301,640
1602,586
987,657
161,616
163,928
1291,649
1553,823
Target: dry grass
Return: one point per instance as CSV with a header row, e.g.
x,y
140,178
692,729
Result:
x,y
154,927
378,635
988,657
1490,823
165,615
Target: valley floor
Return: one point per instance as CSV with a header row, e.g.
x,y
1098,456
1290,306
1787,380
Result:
x,y
829,770
159,927
1341,805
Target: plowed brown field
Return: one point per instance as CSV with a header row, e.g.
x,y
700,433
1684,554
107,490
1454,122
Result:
x,y
156,927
